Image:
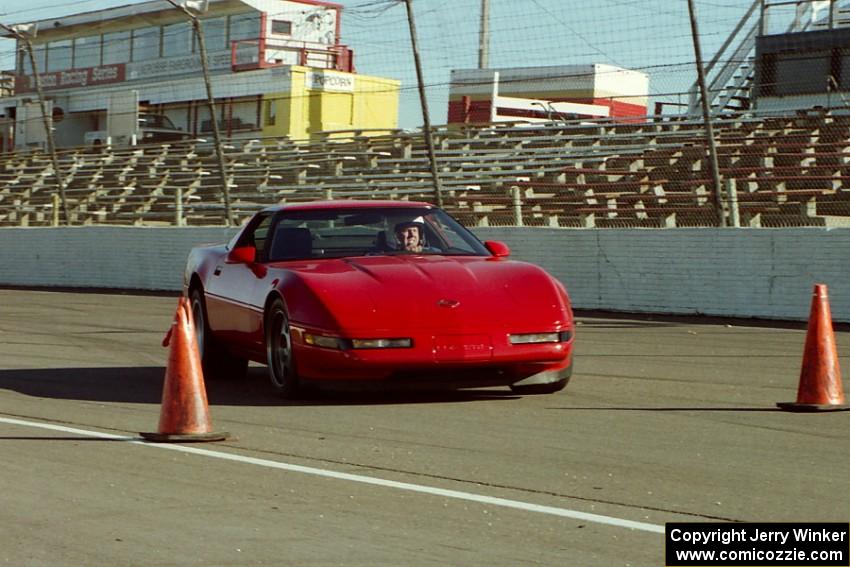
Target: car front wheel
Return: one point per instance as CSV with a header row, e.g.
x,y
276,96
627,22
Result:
x,y
279,351
215,360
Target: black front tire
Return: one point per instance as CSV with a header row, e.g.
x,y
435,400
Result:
x,y
279,352
217,363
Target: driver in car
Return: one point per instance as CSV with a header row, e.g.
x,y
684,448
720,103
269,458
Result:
x,y
411,235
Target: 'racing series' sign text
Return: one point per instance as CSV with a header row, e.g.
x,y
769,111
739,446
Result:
x,y
73,78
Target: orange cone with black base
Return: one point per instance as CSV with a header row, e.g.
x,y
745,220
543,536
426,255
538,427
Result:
x,y
184,416
820,378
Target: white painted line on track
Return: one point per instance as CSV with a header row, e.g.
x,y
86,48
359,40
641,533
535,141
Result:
x,y
434,491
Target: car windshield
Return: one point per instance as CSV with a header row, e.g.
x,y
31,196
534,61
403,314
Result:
x,y
337,233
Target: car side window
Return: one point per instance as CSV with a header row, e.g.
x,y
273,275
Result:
x,y
261,236
258,236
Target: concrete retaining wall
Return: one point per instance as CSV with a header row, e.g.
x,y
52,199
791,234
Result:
x,y
731,272
100,256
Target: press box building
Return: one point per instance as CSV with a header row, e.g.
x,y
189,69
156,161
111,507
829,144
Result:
x,y
277,68
543,93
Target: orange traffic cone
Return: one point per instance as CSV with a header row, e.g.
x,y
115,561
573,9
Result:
x,y
820,378
185,415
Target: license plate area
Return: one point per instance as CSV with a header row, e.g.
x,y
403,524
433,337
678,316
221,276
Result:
x,y
462,348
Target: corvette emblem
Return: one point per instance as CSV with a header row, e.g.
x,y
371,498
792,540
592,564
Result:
x,y
448,303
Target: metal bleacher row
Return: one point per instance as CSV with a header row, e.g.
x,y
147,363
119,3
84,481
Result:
x,y
787,170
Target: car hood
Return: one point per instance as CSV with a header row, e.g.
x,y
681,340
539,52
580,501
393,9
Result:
x,y
462,294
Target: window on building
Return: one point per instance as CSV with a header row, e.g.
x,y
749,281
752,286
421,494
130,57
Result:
x,y
204,121
179,115
116,48
243,115
245,26
801,73
281,27
59,55
269,112
24,66
176,39
238,115
146,44
87,52
844,79
40,55
215,34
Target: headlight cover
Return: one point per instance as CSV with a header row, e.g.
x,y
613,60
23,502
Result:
x,y
338,343
381,343
324,342
536,338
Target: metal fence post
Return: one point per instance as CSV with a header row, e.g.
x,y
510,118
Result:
x,y
732,196
178,207
54,219
516,197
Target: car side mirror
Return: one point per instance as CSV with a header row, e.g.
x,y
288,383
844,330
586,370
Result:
x,y
242,255
498,249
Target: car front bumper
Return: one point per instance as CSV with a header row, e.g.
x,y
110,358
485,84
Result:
x,y
475,359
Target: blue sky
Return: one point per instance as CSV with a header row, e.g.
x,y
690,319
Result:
x,y
649,35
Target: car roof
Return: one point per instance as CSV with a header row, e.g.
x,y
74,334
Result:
x,y
348,204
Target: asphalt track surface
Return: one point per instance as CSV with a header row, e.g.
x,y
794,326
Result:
x,y
664,421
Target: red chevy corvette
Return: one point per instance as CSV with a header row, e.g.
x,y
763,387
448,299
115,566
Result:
x,y
377,290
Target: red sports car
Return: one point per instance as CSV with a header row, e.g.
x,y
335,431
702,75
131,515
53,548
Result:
x,y
377,290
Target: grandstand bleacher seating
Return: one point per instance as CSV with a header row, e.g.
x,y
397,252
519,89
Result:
x,y
788,171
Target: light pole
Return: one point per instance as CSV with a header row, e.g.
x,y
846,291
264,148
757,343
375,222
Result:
x,y
192,9
429,141
24,34
706,116
484,36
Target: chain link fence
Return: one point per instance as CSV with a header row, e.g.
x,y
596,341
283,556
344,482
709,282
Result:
x,y
778,164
